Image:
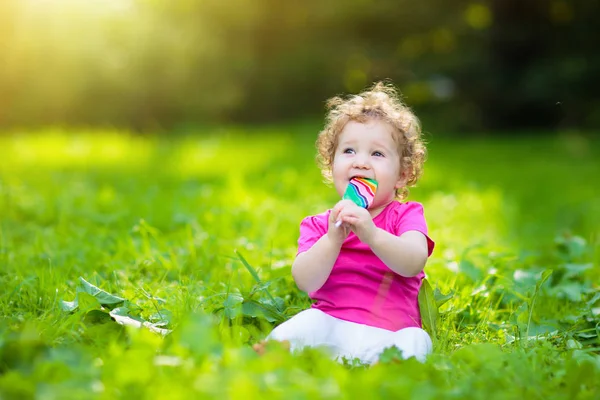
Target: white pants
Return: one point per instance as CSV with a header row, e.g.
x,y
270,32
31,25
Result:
x,y
344,339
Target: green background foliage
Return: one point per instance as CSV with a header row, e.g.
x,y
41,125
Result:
x,y
147,64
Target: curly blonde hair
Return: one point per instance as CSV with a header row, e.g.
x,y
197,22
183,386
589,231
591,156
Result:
x,y
382,102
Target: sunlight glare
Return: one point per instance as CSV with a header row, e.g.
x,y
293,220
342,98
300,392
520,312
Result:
x,y
103,5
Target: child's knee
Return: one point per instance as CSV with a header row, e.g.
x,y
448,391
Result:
x,y
414,342
301,329
284,331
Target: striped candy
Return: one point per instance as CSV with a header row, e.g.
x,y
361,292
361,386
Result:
x,y
361,191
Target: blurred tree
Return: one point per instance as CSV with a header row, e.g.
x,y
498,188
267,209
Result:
x,y
465,65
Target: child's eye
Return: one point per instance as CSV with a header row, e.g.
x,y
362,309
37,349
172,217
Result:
x,y
348,151
378,154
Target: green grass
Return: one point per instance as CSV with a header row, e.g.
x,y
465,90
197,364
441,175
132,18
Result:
x,y
197,233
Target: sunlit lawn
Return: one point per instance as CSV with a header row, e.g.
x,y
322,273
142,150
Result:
x,y
165,223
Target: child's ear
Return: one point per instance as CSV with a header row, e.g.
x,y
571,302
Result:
x,y
402,179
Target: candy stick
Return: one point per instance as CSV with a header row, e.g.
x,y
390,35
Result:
x,y
361,191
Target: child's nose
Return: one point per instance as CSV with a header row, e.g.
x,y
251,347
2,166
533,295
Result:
x,y
360,162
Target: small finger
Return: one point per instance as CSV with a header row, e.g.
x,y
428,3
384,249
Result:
x,y
350,220
341,205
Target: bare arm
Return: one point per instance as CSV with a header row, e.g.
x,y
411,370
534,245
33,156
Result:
x,y
405,254
312,267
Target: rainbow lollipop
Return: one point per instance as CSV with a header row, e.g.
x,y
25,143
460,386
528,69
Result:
x,y
361,191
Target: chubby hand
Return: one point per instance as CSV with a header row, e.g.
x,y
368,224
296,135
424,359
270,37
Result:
x,y
353,218
336,232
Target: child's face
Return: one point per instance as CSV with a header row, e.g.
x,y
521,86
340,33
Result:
x,y
368,150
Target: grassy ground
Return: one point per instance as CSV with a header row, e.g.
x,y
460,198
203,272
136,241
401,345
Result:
x,y
196,235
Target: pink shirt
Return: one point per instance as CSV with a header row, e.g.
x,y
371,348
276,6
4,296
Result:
x,y
361,288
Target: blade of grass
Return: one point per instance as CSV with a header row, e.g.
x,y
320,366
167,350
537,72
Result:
x,y
254,274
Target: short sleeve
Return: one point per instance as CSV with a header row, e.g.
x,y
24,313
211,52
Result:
x,y
410,217
311,230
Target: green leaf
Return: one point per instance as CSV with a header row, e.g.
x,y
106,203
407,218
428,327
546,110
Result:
x,y
571,247
132,308
97,317
441,299
545,275
161,318
587,335
103,297
87,302
121,311
519,317
255,309
277,303
576,270
68,306
594,299
428,307
82,301
573,291
541,330
233,305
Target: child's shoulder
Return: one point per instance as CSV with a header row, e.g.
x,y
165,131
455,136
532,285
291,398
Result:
x,y
405,206
404,211
323,215
317,219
